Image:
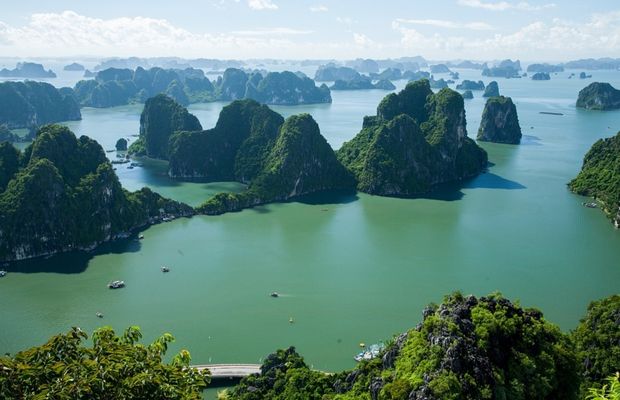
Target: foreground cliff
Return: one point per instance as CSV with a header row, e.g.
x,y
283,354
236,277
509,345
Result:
x,y
417,140
599,96
27,104
600,176
500,123
61,194
466,348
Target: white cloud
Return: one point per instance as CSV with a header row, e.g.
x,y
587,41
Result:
x,y
440,23
262,5
319,8
558,39
273,31
504,5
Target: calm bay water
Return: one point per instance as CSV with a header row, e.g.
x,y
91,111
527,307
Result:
x,y
350,269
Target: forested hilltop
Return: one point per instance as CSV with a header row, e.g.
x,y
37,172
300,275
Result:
x,y
467,348
600,176
113,87
61,194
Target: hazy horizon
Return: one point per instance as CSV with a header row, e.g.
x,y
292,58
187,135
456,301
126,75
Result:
x,y
552,31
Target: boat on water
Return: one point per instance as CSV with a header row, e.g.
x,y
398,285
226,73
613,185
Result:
x,y
274,294
99,315
140,236
590,205
2,273
373,351
165,269
116,284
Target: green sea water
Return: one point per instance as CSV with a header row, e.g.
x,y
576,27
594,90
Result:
x,y
349,269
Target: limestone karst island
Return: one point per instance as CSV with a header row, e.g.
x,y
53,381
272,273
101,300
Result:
x,y
310,200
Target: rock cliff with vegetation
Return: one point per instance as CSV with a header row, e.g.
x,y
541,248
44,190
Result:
x,y
599,96
417,140
600,176
27,104
63,195
362,83
492,90
548,68
465,348
160,118
279,161
73,67
500,123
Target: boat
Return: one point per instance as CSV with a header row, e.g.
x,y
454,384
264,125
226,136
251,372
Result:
x,y
290,320
140,236
550,113
373,351
116,284
99,315
2,273
590,205
165,269
274,294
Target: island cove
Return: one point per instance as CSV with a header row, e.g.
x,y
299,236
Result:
x,y
277,159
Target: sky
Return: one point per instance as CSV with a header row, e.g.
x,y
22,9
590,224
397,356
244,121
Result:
x,y
533,30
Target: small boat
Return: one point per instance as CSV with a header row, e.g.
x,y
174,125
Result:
x,y
165,269
140,236
2,273
116,284
590,205
274,294
362,344
290,320
130,167
550,113
99,315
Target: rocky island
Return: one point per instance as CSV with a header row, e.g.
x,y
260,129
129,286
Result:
x,y
500,123
468,95
599,96
332,73
600,176
113,87
362,83
48,191
417,140
505,69
470,85
29,103
492,90
541,76
73,67
160,118
27,70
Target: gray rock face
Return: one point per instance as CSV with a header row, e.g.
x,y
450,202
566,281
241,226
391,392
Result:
x,y
500,123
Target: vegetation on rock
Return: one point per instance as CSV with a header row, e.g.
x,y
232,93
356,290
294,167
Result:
x,y
160,118
600,176
465,348
27,70
60,180
470,85
417,140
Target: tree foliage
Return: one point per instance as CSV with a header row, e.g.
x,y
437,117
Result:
x,y
115,367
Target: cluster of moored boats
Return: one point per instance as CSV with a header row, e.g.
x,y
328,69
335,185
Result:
x,y
369,353
590,205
